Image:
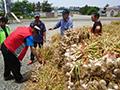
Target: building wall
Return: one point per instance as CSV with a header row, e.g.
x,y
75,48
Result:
x,y
112,12
48,14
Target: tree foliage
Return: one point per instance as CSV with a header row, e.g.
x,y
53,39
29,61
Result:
x,y
46,7
26,8
38,6
22,8
88,10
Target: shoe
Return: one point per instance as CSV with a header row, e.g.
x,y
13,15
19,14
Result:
x,y
21,80
30,62
10,77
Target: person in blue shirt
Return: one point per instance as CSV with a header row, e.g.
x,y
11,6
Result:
x,y
65,23
40,38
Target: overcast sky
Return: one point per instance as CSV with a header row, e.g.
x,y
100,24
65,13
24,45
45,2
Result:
x,y
80,3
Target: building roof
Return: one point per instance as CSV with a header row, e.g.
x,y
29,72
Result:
x,y
116,8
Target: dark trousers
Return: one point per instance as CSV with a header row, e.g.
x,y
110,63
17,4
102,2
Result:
x,y
11,64
35,45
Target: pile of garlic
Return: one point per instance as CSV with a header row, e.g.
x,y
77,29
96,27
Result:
x,y
99,74
96,74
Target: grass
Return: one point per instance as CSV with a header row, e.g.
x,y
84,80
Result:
x,y
118,15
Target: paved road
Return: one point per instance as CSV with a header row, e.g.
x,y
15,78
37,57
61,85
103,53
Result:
x,y
11,85
78,22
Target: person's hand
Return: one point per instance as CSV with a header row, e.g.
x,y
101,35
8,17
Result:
x,y
44,40
50,29
89,29
45,45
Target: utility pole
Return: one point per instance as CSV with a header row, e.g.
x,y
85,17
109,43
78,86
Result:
x,y
5,7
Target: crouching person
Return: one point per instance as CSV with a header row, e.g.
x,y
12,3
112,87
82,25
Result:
x,y
14,49
97,26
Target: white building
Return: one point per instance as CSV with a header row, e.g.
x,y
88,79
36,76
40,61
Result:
x,y
113,11
110,11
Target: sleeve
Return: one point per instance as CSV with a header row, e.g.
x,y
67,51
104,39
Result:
x,y
70,24
44,28
8,29
29,41
57,25
2,36
32,23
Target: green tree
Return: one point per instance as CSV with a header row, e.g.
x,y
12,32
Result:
x,y
38,6
46,7
88,10
33,6
91,10
22,8
1,7
84,9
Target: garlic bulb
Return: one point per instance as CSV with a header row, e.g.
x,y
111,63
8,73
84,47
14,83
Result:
x,y
68,74
103,82
70,83
117,72
116,87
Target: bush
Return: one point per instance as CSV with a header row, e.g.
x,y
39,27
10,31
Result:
x,y
118,15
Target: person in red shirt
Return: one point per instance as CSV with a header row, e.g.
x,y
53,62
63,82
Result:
x,y
14,49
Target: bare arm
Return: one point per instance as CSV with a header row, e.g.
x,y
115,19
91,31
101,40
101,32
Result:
x,y
34,51
44,36
56,26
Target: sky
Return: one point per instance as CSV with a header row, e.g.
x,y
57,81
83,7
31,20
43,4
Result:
x,y
80,3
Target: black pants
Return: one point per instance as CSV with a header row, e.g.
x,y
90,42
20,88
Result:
x,y
35,45
11,64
